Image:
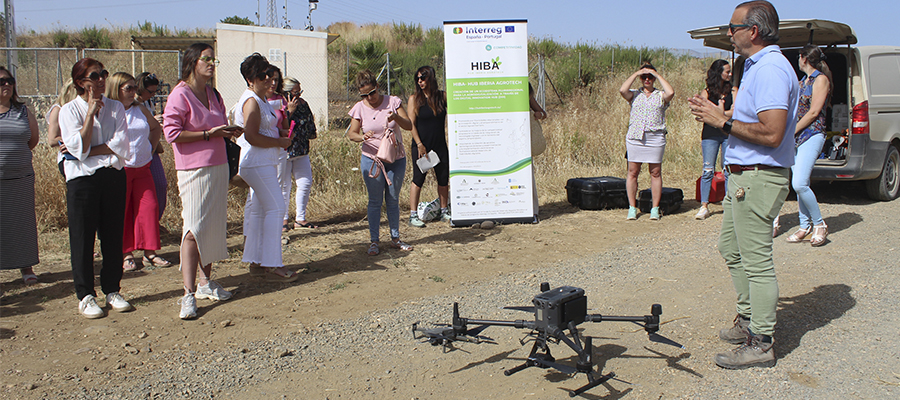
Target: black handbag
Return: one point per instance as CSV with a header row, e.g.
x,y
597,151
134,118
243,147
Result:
x,y
234,157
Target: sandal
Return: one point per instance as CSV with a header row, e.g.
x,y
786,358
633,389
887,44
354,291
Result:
x,y
285,227
305,225
820,232
157,261
273,275
129,265
373,249
398,244
776,225
29,279
799,236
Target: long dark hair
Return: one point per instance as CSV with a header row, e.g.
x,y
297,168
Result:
x,y
816,58
279,81
435,99
716,87
189,61
14,100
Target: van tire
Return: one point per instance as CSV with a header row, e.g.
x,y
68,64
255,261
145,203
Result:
x,y
886,186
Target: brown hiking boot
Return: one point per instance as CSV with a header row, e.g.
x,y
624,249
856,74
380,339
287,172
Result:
x,y
753,353
737,334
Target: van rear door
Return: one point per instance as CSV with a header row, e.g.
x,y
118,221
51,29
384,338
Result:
x,y
793,33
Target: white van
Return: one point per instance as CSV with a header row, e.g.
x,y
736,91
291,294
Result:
x,y
863,123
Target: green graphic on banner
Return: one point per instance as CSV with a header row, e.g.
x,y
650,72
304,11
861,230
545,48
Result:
x,y
508,170
487,95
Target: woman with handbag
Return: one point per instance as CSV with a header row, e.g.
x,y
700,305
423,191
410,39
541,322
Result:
x,y
195,124
375,125
261,148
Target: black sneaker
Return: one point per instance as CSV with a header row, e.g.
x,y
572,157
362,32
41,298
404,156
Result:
x,y
737,334
753,353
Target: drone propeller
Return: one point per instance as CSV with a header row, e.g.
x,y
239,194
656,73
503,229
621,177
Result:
x,y
655,337
529,309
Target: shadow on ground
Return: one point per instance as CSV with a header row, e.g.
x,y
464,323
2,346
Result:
x,y
807,312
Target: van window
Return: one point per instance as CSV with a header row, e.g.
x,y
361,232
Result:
x,y
885,73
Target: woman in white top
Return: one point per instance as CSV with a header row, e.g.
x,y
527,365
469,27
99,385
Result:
x,y
141,207
147,85
94,132
261,146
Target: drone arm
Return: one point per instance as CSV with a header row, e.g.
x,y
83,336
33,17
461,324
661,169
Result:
x,y
519,323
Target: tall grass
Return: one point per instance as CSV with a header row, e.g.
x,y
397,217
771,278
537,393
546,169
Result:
x,y
585,129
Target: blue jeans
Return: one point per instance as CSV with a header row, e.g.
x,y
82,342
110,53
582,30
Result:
x,y
804,160
710,149
379,190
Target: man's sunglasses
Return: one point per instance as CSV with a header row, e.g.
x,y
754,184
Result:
x,y
94,76
7,81
364,95
734,27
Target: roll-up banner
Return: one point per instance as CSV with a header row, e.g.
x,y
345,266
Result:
x,y
487,117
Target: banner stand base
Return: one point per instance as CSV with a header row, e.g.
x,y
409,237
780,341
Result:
x,y
459,223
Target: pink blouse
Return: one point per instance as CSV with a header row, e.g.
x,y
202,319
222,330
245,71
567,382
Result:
x,y
184,112
375,120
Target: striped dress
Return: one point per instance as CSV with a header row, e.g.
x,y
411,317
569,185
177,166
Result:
x,y
18,227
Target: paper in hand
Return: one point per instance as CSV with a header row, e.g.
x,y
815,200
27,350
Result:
x,y
428,162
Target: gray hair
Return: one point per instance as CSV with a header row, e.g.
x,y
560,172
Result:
x,y
289,83
762,14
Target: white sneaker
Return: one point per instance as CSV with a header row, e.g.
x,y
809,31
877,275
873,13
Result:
x,y
188,307
89,308
702,214
213,291
117,302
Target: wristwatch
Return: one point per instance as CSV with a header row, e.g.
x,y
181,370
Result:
x,y
727,127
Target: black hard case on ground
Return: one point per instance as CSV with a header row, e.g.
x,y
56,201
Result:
x,y
670,201
597,193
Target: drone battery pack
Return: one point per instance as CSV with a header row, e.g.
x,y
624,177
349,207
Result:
x,y
670,201
597,193
557,307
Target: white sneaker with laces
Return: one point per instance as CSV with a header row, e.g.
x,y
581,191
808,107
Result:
x,y
89,308
702,213
188,307
213,291
117,302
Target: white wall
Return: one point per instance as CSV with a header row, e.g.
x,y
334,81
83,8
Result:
x,y
303,55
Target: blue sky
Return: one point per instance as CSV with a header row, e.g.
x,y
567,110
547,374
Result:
x,y
653,23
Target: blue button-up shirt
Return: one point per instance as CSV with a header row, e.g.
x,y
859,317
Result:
x,y
769,83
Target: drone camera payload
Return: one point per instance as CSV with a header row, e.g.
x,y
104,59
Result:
x,y
560,306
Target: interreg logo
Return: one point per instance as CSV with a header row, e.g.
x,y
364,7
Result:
x,y
457,30
487,65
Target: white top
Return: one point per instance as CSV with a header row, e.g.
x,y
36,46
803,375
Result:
x,y
110,128
138,138
59,154
252,156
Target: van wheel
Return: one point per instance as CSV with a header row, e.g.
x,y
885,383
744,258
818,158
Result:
x,y
887,185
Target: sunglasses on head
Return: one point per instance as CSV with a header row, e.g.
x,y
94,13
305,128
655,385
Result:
x,y
209,60
94,76
7,81
364,95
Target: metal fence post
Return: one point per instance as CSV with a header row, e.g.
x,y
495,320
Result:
x,y
37,75
388,67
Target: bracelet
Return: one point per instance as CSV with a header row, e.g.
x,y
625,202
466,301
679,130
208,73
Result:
x,y
206,135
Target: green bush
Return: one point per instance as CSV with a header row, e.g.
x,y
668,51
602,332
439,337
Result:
x,y
95,38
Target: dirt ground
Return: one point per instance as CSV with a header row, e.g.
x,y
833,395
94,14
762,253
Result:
x,y
41,333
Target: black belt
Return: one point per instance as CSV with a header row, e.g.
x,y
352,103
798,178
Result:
x,y
740,168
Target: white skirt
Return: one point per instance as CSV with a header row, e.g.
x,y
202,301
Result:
x,y
649,150
204,202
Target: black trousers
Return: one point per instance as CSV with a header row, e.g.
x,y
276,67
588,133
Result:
x,y
96,205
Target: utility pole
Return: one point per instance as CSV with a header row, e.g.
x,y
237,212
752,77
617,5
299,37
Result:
x,y
12,57
313,4
271,16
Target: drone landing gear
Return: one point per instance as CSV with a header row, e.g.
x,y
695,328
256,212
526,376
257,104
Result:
x,y
540,357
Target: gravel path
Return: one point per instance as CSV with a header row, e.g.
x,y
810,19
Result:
x,y
836,336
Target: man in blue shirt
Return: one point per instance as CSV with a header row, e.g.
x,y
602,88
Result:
x,y
759,155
